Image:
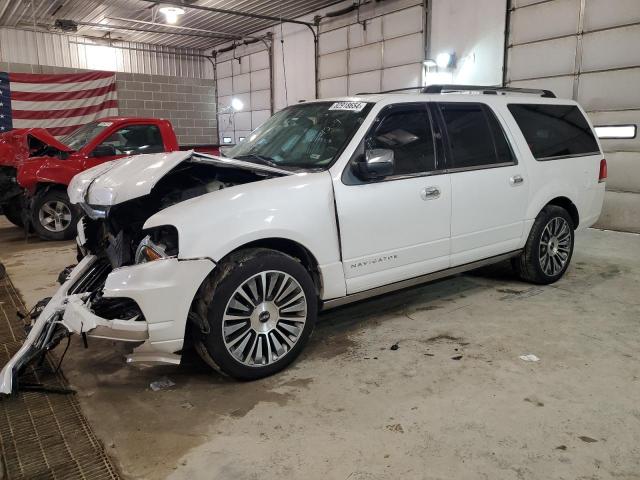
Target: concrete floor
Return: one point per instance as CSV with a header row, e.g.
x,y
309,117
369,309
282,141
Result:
x,y
453,401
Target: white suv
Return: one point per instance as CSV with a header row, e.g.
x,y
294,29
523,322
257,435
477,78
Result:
x,y
328,202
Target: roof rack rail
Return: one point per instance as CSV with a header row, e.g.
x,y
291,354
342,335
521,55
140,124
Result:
x,y
490,90
390,91
485,89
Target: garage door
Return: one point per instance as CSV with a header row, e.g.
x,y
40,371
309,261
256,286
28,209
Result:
x,y
588,50
247,79
373,50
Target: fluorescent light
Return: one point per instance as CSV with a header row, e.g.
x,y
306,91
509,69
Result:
x,y
444,60
616,131
237,104
100,57
226,139
171,13
241,139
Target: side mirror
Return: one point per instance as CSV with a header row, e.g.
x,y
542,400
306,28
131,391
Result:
x,y
104,151
378,163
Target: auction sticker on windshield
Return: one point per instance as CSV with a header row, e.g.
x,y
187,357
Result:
x,y
350,106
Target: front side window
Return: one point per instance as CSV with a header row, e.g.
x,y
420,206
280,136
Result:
x,y
554,131
408,134
136,139
475,136
304,136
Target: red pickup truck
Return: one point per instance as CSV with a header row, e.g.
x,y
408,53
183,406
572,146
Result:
x,y
36,168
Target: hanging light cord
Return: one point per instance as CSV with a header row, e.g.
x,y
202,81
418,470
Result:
x,y
284,66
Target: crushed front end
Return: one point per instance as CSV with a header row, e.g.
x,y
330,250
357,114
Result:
x,y
131,283
147,304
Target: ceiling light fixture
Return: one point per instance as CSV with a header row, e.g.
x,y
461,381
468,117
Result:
x,y
171,13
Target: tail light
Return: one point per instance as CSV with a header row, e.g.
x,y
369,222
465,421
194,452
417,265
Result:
x,y
602,176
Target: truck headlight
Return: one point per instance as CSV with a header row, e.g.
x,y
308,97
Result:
x,y
162,242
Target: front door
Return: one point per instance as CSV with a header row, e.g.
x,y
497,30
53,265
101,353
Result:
x,y
489,187
397,227
128,140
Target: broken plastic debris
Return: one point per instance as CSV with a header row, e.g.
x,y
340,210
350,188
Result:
x,y
161,384
529,357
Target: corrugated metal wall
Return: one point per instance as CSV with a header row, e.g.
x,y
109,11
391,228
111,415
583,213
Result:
x,y
51,49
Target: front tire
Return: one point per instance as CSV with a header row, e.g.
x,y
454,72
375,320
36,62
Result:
x,y
549,248
261,309
53,217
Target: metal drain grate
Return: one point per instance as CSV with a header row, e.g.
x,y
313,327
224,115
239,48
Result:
x,y
43,435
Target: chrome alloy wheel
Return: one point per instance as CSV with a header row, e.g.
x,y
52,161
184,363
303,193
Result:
x,y
264,318
55,216
555,245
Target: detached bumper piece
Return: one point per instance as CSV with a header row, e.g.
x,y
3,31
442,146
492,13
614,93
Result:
x,y
47,339
68,312
147,304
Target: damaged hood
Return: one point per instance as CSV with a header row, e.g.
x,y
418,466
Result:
x,y
48,139
14,145
118,181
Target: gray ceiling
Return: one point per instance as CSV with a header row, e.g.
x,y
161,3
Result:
x,y
24,13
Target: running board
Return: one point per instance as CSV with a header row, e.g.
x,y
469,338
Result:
x,y
412,282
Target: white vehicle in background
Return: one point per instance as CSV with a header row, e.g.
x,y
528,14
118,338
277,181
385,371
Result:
x,y
328,202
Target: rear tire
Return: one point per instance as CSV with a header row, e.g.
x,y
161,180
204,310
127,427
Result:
x,y
260,306
549,248
53,217
13,211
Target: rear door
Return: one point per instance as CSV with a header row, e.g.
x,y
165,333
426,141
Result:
x,y
397,227
489,188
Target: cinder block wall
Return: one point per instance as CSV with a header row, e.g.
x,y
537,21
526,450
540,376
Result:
x,y
188,103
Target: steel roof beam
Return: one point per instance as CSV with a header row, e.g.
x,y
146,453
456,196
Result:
x,y
179,27
145,30
232,12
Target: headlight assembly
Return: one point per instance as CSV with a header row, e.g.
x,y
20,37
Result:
x,y
161,243
95,212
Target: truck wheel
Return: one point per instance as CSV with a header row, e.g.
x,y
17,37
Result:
x,y
549,248
53,217
261,309
13,211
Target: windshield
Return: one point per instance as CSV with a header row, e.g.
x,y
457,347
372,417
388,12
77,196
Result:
x,y
84,134
304,136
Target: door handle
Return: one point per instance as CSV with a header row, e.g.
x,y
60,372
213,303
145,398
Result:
x,y
430,193
516,180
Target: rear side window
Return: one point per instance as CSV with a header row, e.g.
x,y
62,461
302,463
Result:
x,y
554,131
476,139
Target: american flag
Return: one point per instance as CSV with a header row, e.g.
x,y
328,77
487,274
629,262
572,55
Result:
x,y
59,102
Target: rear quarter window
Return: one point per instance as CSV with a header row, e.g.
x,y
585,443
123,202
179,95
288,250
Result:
x,y
554,131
